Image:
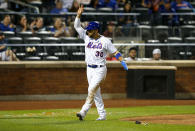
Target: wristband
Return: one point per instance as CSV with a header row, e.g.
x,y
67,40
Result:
x,y
118,55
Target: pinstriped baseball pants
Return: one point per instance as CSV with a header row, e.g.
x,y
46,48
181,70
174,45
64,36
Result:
x,y
95,77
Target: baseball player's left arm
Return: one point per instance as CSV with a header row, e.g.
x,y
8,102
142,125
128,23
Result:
x,y
111,49
119,57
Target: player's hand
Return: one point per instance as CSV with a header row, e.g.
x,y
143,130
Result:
x,y
80,11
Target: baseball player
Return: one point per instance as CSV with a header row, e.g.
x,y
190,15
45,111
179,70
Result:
x,y
96,49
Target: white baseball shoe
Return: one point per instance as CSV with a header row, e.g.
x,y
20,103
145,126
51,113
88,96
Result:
x,y
101,118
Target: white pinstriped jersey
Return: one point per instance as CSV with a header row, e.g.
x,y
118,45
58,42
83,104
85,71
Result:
x,y
95,50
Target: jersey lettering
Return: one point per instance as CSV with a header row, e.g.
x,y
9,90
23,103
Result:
x,y
91,45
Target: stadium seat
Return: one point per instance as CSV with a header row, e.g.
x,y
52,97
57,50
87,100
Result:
x,y
161,33
192,33
51,58
186,30
145,32
106,17
141,10
73,51
89,17
185,19
42,54
53,40
18,50
2,10
175,52
36,4
193,4
189,50
153,41
105,10
89,9
184,10
52,49
119,10
24,34
78,55
71,40
9,34
189,40
174,40
143,18
121,4
34,40
32,58
62,55
15,40
43,34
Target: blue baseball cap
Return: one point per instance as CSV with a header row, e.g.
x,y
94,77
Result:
x,y
92,26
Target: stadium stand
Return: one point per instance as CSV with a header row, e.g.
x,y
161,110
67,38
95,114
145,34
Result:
x,y
137,26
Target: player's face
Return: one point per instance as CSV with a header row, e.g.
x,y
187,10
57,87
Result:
x,y
92,33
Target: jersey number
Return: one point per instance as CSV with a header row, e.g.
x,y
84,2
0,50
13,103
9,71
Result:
x,y
101,54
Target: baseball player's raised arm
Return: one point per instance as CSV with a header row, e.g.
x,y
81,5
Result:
x,y
77,23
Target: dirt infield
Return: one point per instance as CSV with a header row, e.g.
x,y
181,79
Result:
x,y
187,119
31,105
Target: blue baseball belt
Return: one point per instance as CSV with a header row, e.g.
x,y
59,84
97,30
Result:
x,y
95,66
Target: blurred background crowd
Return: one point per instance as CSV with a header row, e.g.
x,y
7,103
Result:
x,y
123,21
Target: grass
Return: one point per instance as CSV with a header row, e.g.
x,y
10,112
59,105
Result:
x,y
65,120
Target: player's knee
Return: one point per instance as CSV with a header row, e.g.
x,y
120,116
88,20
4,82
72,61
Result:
x,y
90,97
91,92
94,86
